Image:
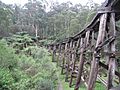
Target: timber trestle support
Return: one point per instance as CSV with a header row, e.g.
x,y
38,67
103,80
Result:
x,y
90,55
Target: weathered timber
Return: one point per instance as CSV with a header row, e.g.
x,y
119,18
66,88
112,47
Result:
x,y
59,56
99,41
81,63
73,61
54,54
111,70
64,57
96,55
68,62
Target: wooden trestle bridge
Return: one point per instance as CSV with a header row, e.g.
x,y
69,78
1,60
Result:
x,y
91,54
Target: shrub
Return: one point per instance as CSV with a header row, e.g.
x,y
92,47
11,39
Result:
x,y
7,57
44,84
26,72
6,79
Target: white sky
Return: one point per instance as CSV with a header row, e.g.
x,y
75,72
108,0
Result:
x,y
22,2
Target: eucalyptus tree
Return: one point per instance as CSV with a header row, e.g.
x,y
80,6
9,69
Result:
x,y
5,19
35,14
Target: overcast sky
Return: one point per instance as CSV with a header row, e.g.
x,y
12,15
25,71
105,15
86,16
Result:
x,y
22,2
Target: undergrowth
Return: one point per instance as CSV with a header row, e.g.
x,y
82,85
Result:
x,y
30,69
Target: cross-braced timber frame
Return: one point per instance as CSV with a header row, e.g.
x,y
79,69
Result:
x,y
92,51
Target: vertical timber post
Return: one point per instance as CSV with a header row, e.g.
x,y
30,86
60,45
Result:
x,y
68,62
59,55
73,63
96,55
54,53
111,70
64,49
81,62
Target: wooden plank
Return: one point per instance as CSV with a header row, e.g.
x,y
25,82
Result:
x,y
106,67
102,80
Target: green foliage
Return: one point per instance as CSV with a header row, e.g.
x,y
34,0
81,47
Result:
x,y
22,72
46,41
20,40
6,79
65,20
7,57
5,19
61,21
44,85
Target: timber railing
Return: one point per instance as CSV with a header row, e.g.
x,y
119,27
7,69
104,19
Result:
x,y
91,54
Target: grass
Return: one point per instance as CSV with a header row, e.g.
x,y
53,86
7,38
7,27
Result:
x,y
99,86
65,85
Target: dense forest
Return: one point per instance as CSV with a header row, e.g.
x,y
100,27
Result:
x,y
53,23
24,64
